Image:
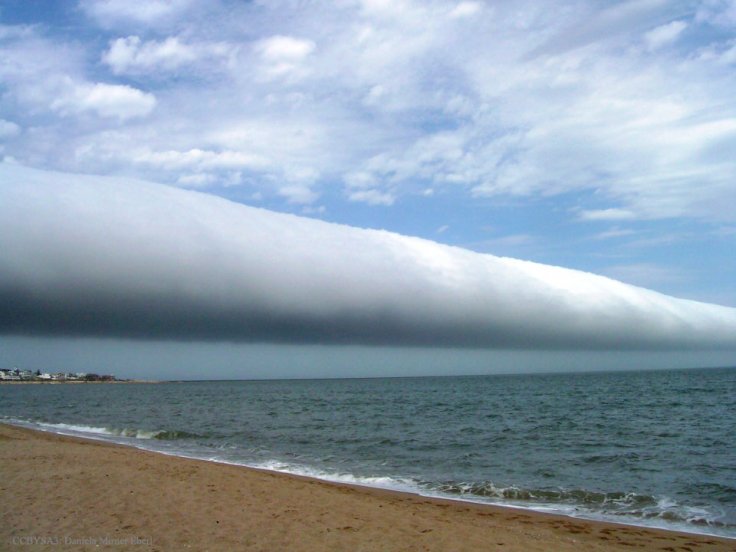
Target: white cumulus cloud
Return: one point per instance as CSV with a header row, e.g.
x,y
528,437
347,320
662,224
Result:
x,y
284,55
281,48
132,55
106,100
126,54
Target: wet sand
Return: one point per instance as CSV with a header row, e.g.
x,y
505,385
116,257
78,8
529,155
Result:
x,y
60,492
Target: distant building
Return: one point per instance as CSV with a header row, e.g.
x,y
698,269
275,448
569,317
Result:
x,y
14,374
9,375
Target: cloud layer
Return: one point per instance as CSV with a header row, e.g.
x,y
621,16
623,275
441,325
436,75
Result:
x,y
377,101
101,256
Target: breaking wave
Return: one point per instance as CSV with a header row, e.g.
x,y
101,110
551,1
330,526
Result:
x,y
575,496
586,503
131,433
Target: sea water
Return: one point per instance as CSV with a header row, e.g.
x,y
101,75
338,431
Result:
x,y
651,448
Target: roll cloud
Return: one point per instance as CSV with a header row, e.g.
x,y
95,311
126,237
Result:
x,y
85,255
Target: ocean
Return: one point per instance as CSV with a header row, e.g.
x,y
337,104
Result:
x,y
650,448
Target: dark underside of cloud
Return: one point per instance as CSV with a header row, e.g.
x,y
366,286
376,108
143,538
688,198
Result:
x,y
155,319
96,256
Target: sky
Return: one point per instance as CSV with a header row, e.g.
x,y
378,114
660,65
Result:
x,y
264,189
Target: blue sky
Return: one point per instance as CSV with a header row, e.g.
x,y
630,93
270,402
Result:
x,y
599,136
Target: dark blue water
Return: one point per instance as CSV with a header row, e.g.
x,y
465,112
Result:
x,y
650,448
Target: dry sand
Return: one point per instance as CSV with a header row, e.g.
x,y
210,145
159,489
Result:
x,y
87,495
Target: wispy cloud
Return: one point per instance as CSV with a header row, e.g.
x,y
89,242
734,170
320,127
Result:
x,y
632,101
511,240
614,232
133,56
664,34
112,13
101,256
646,274
607,214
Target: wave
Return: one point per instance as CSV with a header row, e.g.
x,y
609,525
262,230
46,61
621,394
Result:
x,y
131,433
585,503
577,496
382,482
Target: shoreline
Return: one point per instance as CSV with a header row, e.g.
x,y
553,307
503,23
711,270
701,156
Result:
x,y
134,444
92,489
139,443
73,382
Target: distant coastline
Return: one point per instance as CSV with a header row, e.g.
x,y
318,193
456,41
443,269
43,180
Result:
x,y
16,376
42,382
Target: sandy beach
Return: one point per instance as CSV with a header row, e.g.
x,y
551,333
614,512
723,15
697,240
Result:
x,y
64,492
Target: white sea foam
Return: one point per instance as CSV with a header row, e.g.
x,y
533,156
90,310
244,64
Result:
x,y
381,482
89,431
75,428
